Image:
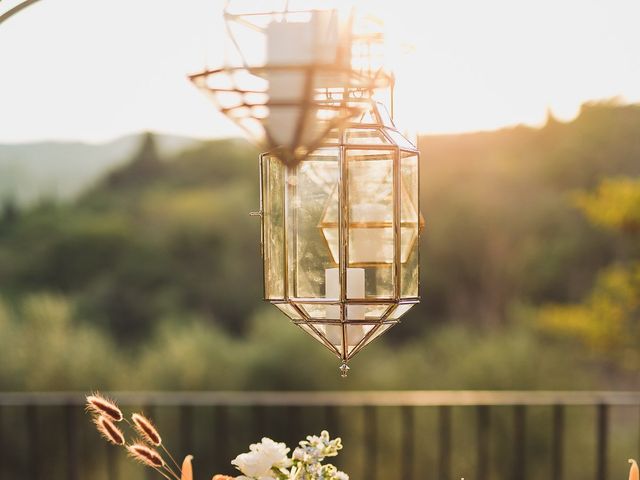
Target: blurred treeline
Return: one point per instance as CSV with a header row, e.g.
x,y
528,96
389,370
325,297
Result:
x,y
151,278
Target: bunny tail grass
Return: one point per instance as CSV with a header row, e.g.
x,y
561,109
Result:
x,y
109,430
101,405
146,429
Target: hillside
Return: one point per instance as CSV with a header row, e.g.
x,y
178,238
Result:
x,y
63,169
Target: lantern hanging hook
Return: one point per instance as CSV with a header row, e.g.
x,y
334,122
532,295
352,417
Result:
x,y
344,369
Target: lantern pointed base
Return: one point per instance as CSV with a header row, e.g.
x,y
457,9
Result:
x,y
344,369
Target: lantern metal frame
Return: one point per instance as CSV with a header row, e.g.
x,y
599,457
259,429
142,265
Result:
x,y
301,317
10,12
254,105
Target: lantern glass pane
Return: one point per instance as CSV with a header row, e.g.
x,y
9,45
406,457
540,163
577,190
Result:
x,y
379,331
371,210
273,221
398,139
357,333
367,313
333,334
309,188
319,336
400,310
289,311
321,312
410,226
365,136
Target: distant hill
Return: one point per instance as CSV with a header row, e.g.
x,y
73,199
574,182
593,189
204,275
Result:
x,y
64,169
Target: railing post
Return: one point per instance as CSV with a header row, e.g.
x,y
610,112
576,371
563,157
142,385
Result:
x,y
33,456
221,428
408,439
557,445
482,442
520,446
186,429
72,443
444,442
370,442
259,414
603,438
2,459
112,462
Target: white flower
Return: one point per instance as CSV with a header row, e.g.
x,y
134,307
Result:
x,y
341,476
242,477
253,464
298,454
274,452
261,459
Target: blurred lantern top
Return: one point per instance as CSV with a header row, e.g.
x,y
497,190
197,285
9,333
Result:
x,y
289,68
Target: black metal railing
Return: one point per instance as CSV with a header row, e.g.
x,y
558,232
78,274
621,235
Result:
x,y
408,435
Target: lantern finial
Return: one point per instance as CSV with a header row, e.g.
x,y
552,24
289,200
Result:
x,y
344,369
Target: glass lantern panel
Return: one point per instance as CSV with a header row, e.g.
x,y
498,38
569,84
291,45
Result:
x,y
320,338
357,333
289,311
332,333
370,202
365,136
273,227
381,329
400,310
400,140
309,189
377,331
409,233
367,313
320,311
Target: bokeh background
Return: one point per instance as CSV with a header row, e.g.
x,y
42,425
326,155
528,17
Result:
x,y
132,264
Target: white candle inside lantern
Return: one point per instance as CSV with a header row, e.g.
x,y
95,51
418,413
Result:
x,y
296,46
355,289
355,284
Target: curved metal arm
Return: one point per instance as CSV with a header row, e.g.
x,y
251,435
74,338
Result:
x,y
12,11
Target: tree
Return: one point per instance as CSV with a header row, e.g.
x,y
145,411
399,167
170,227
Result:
x,y
9,213
608,319
145,166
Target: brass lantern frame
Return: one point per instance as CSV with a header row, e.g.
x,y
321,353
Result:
x,y
398,147
252,106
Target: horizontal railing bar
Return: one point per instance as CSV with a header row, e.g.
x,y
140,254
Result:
x,y
335,398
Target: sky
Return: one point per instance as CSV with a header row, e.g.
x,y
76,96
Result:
x,y
93,70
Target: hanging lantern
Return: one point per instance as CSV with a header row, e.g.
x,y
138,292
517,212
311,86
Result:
x,y
288,63
340,233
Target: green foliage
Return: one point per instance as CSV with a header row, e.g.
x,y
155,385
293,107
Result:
x,y
615,204
42,346
608,319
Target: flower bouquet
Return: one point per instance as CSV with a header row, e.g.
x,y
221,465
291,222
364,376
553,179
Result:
x,y
267,460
